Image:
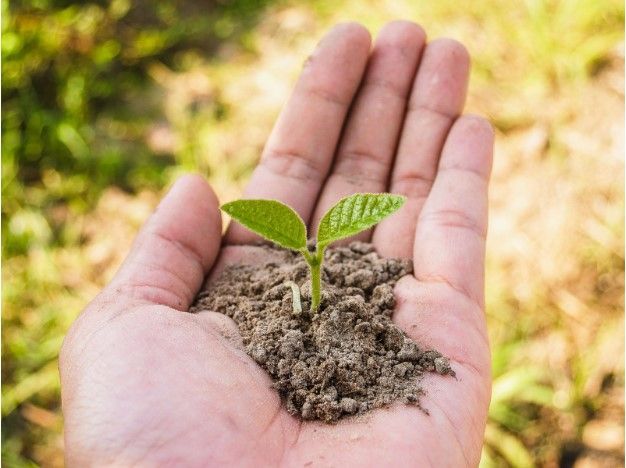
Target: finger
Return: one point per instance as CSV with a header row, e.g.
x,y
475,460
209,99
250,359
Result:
x,y
175,249
438,318
436,100
452,226
365,154
455,327
300,149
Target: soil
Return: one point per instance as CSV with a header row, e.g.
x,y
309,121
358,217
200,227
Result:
x,y
346,359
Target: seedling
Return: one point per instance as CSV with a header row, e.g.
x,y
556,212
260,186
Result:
x,y
280,224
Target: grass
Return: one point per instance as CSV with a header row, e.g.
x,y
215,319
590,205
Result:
x,y
105,103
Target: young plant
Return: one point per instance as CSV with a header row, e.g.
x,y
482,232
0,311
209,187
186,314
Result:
x,y
280,224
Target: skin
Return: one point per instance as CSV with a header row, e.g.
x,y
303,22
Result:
x,y
144,383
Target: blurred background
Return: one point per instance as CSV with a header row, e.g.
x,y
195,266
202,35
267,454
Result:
x,y
104,103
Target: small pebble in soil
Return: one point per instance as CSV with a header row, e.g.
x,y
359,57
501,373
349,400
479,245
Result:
x,y
346,359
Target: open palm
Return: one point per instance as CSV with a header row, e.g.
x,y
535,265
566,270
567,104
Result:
x,y
145,383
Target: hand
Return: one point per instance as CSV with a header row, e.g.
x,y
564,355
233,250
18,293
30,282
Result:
x,y
146,383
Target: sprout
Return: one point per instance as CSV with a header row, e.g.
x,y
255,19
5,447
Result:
x,y
280,224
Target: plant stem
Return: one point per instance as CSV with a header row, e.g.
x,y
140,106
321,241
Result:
x,y
315,282
314,260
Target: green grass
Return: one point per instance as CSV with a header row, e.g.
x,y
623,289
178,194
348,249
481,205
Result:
x,y
105,103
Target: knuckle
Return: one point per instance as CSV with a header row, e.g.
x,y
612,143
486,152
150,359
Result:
x,y
455,218
292,164
413,186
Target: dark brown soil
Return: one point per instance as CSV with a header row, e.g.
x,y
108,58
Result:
x,y
347,358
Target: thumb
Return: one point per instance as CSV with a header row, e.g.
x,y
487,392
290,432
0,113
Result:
x,y
175,249
166,265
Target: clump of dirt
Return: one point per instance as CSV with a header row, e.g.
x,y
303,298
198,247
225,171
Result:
x,y
347,358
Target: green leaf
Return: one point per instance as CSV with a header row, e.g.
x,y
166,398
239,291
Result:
x,y
354,214
271,219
